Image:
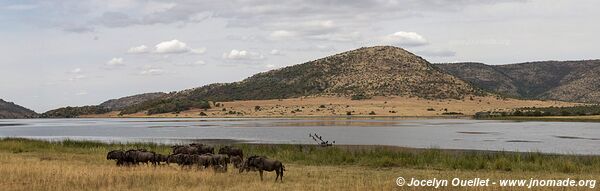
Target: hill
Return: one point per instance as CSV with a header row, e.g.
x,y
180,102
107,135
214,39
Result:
x,y
104,107
10,110
118,104
576,81
360,73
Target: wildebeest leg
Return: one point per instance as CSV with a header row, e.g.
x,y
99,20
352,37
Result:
x,y
281,176
261,174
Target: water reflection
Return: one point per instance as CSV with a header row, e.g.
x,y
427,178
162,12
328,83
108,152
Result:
x,y
553,137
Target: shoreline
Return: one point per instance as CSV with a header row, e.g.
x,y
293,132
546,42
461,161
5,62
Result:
x,y
595,118
220,142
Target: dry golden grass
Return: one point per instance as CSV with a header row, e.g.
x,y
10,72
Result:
x,y
339,106
73,172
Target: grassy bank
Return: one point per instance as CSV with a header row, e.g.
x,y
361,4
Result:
x,y
76,165
592,118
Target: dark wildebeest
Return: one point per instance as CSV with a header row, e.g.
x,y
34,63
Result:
x,y
231,151
172,158
117,155
181,149
220,162
187,161
205,160
236,161
182,160
203,149
139,156
265,164
158,158
247,166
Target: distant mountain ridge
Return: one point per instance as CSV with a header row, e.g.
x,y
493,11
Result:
x,y
10,110
576,81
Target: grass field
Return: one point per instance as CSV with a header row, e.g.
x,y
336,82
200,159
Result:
x,y
340,106
74,165
586,118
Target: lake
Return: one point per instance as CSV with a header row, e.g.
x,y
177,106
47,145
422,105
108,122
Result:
x,y
548,137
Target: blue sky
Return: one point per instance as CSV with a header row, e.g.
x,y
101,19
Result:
x,y
82,52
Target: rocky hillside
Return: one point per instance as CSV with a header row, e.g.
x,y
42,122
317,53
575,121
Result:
x,y
118,104
104,107
373,71
360,73
9,110
577,81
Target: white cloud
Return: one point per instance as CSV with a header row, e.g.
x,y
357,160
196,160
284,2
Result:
x,y
279,34
172,46
76,71
77,77
192,64
198,50
152,72
115,62
138,49
81,93
403,38
270,66
199,62
76,74
236,54
242,55
275,52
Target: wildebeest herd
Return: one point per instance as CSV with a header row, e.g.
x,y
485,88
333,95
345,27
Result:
x,y
199,155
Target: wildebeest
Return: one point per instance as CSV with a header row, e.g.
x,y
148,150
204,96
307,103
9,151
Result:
x,y
182,149
203,149
139,156
205,160
193,149
231,151
158,158
236,161
117,155
264,164
173,158
184,160
220,160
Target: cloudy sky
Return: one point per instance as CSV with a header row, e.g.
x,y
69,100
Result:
x,y
81,52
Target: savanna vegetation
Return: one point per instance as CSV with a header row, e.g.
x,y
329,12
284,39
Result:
x,y
572,113
574,81
71,112
82,165
169,105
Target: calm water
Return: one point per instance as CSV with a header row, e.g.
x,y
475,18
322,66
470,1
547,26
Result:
x,y
552,137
